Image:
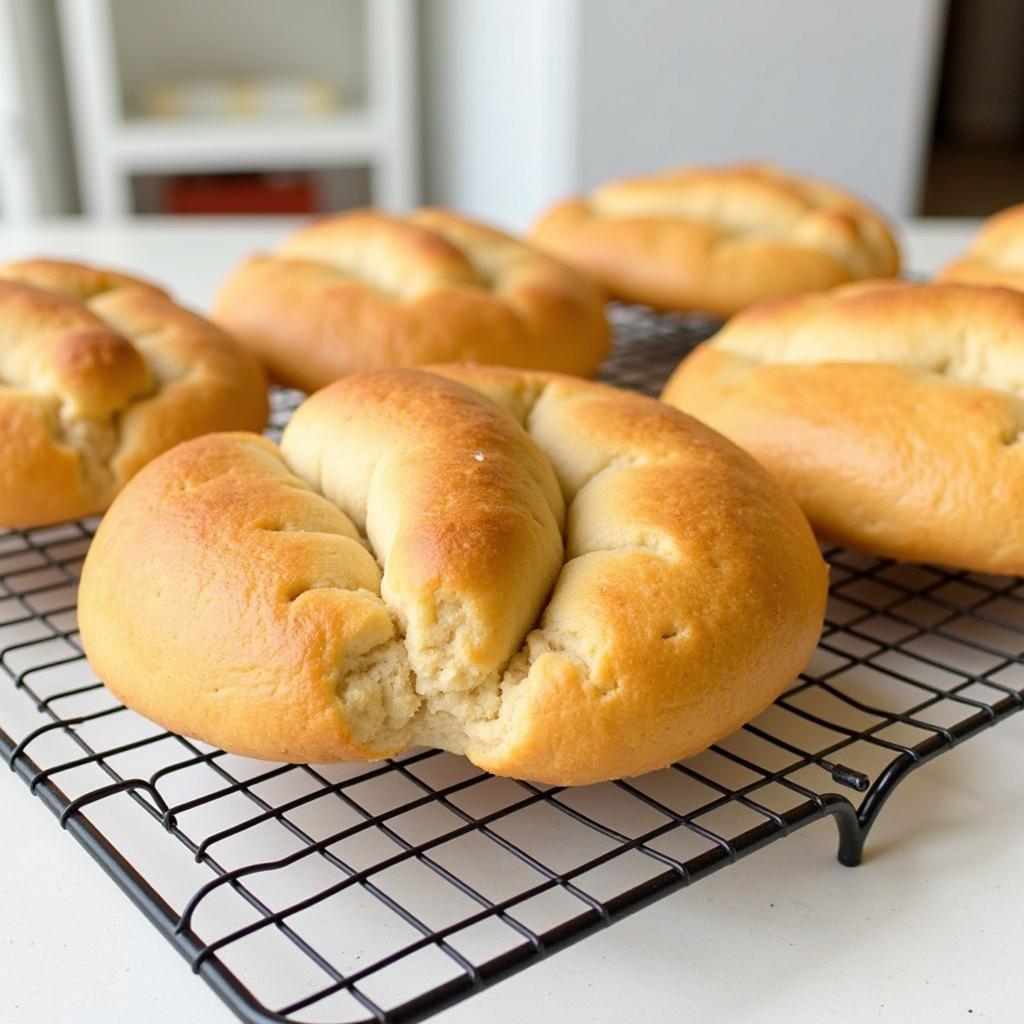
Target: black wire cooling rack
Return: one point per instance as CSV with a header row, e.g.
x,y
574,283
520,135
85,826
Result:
x,y
384,892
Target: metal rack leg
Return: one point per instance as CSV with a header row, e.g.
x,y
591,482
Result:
x,y
851,834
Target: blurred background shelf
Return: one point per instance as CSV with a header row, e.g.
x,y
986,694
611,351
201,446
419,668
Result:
x,y
120,54
154,144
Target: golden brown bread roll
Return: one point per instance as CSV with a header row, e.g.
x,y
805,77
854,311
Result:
x,y
366,290
718,239
563,581
996,256
99,373
893,412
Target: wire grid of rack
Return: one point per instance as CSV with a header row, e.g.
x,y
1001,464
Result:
x,y
385,892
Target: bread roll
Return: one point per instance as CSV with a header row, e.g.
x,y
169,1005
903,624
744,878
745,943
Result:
x,y
99,373
893,412
367,290
997,255
562,581
718,239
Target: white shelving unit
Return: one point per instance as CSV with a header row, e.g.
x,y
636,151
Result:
x,y
376,128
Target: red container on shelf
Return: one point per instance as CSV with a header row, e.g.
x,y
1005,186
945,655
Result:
x,y
241,194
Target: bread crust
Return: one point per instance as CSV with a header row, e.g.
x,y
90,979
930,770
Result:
x,y
716,240
996,257
366,290
571,583
893,412
99,373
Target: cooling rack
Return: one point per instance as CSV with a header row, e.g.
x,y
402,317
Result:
x,y
385,892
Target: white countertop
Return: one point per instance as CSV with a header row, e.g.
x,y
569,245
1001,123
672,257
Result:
x,y
928,928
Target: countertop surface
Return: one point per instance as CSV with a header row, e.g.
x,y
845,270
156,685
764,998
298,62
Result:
x,y
928,928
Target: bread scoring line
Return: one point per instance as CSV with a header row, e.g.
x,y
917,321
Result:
x,y
87,465
95,441
949,366
494,263
699,203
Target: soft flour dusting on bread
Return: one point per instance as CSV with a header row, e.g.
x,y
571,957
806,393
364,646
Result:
x,y
562,581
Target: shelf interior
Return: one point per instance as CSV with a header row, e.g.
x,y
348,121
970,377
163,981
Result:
x,y
156,43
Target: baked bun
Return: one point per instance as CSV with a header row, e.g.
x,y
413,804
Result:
x,y
892,411
997,255
718,239
578,583
367,290
99,373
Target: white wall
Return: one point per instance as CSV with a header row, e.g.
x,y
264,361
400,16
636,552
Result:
x,y
525,101
842,90
36,172
491,100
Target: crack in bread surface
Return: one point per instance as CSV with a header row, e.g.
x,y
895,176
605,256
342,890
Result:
x,y
419,685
